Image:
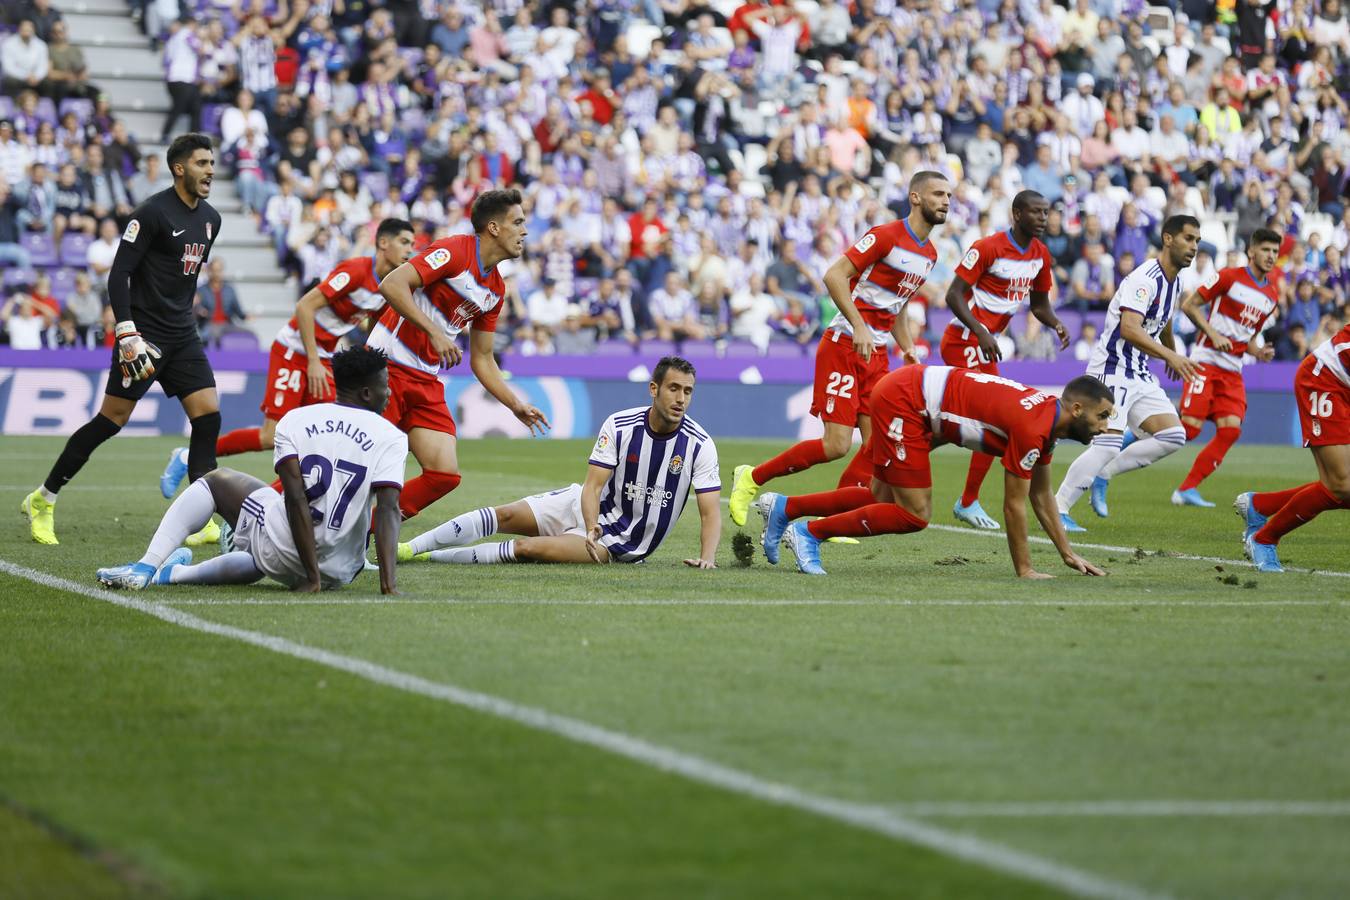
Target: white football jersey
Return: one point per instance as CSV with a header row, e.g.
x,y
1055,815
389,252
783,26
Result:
x,y
344,453
1146,291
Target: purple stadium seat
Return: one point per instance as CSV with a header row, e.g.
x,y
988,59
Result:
x,y
614,348
15,277
742,350
75,249
412,57
698,350
211,114
6,108
41,251
377,183
657,349
82,108
46,110
238,341
787,350
63,284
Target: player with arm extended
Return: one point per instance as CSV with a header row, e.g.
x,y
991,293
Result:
x,y
151,287
1242,301
1138,326
870,285
921,407
996,276
452,285
299,372
1322,392
642,467
335,460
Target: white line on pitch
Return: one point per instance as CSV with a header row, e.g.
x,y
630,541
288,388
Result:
x,y
700,601
867,817
1128,809
91,488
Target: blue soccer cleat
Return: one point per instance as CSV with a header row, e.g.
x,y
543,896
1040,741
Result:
x,y
974,515
174,472
773,507
1127,439
1264,555
1097,496
133,576
1070,526
1190,497
805,548
180,557
1253,520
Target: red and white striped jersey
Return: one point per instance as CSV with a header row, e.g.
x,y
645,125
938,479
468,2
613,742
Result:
x,y
1002,276
892,265
1240,307
352,291
1334,355
991,414
456,294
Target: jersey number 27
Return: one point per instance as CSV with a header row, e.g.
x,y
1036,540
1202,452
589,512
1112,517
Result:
x,y
354,475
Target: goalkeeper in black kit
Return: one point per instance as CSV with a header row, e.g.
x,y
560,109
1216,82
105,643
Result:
x,y
151,287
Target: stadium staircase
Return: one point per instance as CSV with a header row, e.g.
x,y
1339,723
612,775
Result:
x,y
123,65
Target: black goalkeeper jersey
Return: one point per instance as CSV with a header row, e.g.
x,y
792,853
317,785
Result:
x,y
154,275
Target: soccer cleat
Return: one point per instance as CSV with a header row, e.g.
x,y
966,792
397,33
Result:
x,y
174,473
1097,496
1264,555
974,515
773,507
805,548
405,553
41,517
180,557
1254,521
1190,497
210,534
838,538
1070,526
226,537
743,490
133,576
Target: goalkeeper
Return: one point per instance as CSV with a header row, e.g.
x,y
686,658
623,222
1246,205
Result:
x,y
151,287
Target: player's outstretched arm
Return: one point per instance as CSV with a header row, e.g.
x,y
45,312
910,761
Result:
x,y
1015,522
1192,305
305,310
1043,503
1042,310
1132,329
485,369
836,281
596,478
397,290
301,521
387,522
710,530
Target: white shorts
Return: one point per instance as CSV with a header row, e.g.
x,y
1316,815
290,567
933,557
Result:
x,y
250,535
1135,400
558,512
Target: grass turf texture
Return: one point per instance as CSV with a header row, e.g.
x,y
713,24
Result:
x,y
227,771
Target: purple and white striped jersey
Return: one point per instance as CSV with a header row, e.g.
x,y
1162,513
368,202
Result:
x,y
1146,291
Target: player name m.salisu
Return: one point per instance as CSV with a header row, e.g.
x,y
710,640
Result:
x,y
332,426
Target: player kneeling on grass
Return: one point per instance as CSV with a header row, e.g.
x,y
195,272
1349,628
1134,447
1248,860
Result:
x,y
920,407
312,535
642,467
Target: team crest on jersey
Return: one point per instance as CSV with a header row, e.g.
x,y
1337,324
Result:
x,y
676,464
133,230
829,405
1317,428
438,257
866,243
1030,459
339,281
971,258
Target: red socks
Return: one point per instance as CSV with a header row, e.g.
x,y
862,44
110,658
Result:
x,y
859,471
424,490
873,519
1210,457
799,456
1192,431
827,503
241,440
979,467
1268,504
1311,499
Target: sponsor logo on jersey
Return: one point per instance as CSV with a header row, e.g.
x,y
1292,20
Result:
x,y
676,464
192,258
971,258
437,258
1030,459
633,491
829,405
867,242
133,230
339,281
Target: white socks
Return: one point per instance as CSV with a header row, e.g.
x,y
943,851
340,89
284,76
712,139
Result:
x,y
236,567
465,528
47,495
186,515
1146,451
1089,464
482,554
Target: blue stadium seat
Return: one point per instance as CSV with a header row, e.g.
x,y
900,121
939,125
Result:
x,y
75,249
12,278
41,251
63,284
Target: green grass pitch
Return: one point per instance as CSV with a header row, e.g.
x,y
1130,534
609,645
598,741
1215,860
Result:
x,y
1176,729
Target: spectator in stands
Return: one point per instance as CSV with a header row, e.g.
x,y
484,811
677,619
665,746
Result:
x,y
39,201
85,306
183,52
217,305
26,61
107,193
283,210
1093,281
257,43
547,307
12,252
102,252
25,320
1087,339
573,338
67,74
753,311
71,205
121,154
674,311
239,117
151,180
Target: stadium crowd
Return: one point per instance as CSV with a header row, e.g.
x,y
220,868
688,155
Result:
x,y
692,168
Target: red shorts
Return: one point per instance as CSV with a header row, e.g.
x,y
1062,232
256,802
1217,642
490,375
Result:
x,y
1216,393
901,436
417,400
844,383
288,384
964,352
1323,405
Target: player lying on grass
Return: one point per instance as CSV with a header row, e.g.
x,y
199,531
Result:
x,y
1322,391
642,467
334,460
921,407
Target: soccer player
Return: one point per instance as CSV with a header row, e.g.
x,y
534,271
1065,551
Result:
x,y
334,460
1322,391
997,275
870,285
451,285
1138,326
921,407
1242,300
642,467
151,287
299,372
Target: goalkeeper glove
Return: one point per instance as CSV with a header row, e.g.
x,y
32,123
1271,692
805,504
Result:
x,y
135,354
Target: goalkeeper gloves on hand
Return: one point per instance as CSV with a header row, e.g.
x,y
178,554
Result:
x,y
135,354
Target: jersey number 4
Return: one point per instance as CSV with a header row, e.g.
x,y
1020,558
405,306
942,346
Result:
x,y
840,385
354,475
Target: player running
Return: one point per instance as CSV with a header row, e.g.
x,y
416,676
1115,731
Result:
x,y
922,407
1138,325
299,372
151,287
1322,391
642,467
451,285
334,460
997,275
1242,301
870,285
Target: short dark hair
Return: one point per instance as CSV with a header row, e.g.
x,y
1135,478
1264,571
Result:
x,y
922,178
1085,387
1026,198
672,362
1264,236
1175,224
354,368
185,145
490,206
392,228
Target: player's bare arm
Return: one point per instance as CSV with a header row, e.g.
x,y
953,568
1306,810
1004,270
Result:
x,y
1041,309
836,282
958,301
710,530
1015,522
397,290
903,340
301,522
387,522
485,369
596,477
1193,306
1047,513
316,373
1132,329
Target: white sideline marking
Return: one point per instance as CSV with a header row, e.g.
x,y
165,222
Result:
x,y
867,817
1130,809
428,601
